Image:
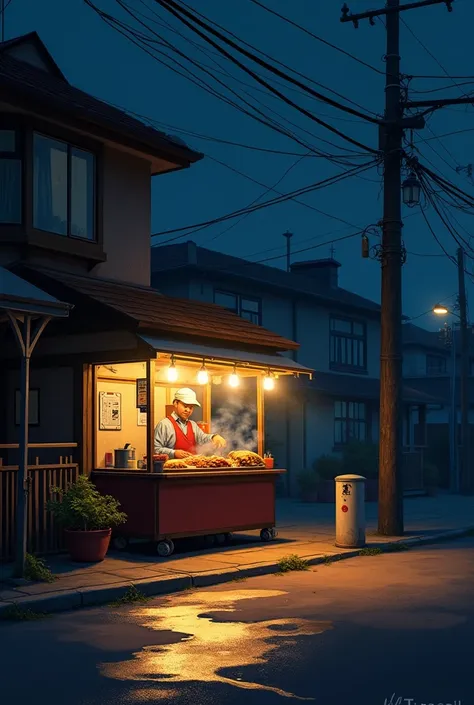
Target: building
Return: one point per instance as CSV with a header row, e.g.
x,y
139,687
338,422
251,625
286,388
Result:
x,y
339,337
75,184
430,367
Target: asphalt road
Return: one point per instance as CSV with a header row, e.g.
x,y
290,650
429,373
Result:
x,y
377,630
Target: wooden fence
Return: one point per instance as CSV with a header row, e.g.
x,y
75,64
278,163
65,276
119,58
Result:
x,y
43,536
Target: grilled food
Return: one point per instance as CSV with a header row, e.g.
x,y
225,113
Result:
x,y
217,461
245,458
175,464
196,460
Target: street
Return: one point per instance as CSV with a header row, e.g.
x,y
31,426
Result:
x,y
391,629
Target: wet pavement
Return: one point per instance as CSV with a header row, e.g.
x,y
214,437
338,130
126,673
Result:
x,y
376,630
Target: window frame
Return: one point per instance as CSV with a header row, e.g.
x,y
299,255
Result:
x,y
8,123
90,251
347,419
240,298
435,373
361,338
70,146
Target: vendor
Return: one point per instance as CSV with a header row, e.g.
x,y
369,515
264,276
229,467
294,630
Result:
x,y
176,435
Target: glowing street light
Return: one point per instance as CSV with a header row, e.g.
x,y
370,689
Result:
x,y
440,310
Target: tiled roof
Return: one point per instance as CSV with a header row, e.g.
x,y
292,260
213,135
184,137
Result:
x,y
51,93
158,313
169,257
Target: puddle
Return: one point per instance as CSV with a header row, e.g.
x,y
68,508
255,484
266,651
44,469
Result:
x,y
207,646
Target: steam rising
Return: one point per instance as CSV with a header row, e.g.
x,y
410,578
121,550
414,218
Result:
x,y
236,422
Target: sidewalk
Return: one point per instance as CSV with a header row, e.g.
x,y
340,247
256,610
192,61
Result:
x,y
306,530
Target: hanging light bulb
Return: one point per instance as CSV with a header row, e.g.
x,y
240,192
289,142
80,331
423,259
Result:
x,y
234,380
268,382
203,376
172,371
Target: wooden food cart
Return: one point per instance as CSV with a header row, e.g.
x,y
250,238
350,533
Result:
x,y
162,505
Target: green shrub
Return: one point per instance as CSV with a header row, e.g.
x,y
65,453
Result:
x,y
81,507
361,458
37,570
327,467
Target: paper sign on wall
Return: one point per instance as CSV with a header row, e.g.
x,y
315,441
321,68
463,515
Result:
x,y
142,394
110,411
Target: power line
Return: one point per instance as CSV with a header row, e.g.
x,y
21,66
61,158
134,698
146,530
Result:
x,y
175,10
280,199
262,118
315,36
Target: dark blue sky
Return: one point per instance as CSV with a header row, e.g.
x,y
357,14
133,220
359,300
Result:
x,y
97,59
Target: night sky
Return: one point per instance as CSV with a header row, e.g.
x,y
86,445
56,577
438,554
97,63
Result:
x,y
100,61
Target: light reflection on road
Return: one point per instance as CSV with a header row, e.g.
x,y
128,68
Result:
x,y
207,646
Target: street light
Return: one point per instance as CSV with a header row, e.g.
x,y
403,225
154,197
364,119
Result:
x,y
440,310
411,190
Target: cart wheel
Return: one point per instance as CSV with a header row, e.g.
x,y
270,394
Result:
x,y
221,539
165,548
120,543
274,533
266,534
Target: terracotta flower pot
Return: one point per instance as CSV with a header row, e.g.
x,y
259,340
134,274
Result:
x,y
88,546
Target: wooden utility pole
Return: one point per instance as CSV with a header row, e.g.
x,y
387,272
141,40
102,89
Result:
x,y
390,520
466,483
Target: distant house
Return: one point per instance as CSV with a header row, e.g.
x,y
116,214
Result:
x,y
428,367
339,336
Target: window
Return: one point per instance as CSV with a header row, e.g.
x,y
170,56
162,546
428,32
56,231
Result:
x,y
436,365
243,306
348,345
63,188
10,178
350,422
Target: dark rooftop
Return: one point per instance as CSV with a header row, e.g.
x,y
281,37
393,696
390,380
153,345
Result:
x,y
188,255
47,90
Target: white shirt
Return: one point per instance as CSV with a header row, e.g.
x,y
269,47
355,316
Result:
x,y
165,435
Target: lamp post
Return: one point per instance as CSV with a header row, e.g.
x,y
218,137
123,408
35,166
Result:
x,y
441,310
411,191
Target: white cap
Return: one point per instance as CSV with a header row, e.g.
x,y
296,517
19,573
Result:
x,y
187,396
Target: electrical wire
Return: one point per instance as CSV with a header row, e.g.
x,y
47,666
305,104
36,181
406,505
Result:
x,y
161,22
175,10
280,199
125,30
174,49
315,36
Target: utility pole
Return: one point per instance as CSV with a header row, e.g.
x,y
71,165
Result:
x,y
390,520
288,236
466,482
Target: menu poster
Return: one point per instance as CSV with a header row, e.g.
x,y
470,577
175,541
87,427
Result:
x,y
142,394
110,411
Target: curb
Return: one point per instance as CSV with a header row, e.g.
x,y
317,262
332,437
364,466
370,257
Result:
x,y
66,600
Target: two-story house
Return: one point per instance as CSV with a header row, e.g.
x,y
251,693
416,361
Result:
x,y
75,205
339,336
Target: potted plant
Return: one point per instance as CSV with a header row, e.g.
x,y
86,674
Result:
x,y
327,467
87,518
308,483
362,458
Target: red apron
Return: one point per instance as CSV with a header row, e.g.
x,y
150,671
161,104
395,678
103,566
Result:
x,y
184,441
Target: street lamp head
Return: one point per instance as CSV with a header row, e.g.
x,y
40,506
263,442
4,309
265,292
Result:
x,y
440,310
411,189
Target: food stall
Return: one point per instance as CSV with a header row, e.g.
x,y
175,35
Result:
x,y
213,493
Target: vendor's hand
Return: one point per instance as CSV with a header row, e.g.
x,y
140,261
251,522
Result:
x,y
180,454
219,442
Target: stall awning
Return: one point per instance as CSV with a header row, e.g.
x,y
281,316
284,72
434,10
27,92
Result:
x,y
20,296
193,351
